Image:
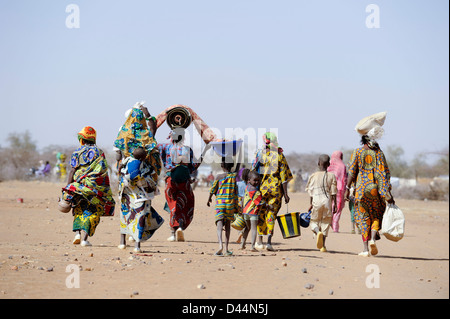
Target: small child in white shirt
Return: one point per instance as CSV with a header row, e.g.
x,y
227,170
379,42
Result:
x,y
322,188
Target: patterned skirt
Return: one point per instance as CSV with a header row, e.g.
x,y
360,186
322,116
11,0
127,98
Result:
x,y
180,200
86,216
138,218
369,215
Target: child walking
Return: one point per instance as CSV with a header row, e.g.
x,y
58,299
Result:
x,y
322,189
250,209
241,183
225,189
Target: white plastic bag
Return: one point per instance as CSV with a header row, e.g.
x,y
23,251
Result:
x,y
393,225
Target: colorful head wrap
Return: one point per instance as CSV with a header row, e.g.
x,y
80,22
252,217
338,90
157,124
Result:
x,y
271,141
88,134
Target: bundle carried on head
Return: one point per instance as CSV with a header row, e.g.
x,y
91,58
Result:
x,y
371,126
178,117
181,116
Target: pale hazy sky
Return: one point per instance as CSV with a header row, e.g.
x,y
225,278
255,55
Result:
x,y
311,69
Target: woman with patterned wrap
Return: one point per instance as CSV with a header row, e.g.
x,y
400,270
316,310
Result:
x,y
369,171
139,168
271,164
88,190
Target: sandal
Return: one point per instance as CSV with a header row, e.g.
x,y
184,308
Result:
x,y
77,239
319,240
373,248
179,235
364,254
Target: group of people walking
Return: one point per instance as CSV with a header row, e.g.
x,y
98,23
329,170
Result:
x,y
140,160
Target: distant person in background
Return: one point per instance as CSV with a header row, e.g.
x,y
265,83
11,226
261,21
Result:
x,y
60,167
44,169
338,168
88,190
292,186
210,179
194,179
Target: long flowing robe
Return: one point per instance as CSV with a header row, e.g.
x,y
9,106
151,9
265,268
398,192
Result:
x,y
372,188
338,168
136,190
138,179
179,163
90,191
274,169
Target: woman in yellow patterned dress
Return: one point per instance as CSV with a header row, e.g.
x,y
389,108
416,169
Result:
x,y
271,164
369,171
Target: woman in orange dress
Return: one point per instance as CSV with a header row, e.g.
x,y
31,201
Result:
x,y
369,171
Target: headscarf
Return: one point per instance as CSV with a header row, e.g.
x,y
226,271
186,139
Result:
x,y
271,141
87,134
339,169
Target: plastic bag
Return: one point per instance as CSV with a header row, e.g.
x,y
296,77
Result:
x,y
393,224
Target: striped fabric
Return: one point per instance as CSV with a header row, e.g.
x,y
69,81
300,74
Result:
x,y
225,190
252,201
289,225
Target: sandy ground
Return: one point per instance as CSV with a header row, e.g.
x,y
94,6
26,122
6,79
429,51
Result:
x,y
36,256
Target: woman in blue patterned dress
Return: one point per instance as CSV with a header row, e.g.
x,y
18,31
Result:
x,y
88,190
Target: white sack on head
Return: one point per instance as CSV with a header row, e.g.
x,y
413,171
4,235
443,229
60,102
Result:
x,y
374,121
375,133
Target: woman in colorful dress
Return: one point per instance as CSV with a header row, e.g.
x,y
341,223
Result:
x,y
88,190
179,162
271,164
139,168
338,168
369,171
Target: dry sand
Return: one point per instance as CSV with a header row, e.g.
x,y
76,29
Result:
x,y
36,248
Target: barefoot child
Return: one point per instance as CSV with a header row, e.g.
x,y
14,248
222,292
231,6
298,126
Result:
x,y
251,207
225,189
241,185
322,189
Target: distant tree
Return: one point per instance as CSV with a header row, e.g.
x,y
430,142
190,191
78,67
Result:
x,y
20,156
21,141
422,166
441,167
397,165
